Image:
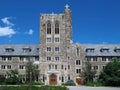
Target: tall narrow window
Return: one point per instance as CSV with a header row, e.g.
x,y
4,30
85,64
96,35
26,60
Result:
x,y
48,28
62,78
78,52
56,28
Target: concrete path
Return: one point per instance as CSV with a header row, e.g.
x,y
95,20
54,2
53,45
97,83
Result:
x,y
91,88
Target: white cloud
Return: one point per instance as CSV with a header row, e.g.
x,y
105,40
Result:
x,y
6,31
30,32
6,21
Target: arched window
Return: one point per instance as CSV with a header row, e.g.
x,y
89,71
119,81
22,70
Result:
x,y
56,27
48,27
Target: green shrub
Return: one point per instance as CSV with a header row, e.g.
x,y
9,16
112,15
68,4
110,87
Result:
x,y
94,84
10,81
38,83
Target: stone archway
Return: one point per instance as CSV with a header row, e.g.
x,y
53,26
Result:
x,y
53,79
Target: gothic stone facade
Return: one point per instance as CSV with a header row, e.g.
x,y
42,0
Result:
x,y
59,60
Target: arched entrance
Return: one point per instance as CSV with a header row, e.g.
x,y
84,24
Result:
x,y
52,79
79,80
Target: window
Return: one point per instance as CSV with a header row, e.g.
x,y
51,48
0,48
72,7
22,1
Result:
x,y
117,50
103,58
78,52
21,67
36,58
48,27
57,49
9,58
9,49
48,49
57,39
62,67
88,58
49,39
56,28
95,59
90,50
62,78
77,62
57,58
103,67
3,58
56,67
68,77
37,49
95,67
21,59
78,71
109,58
2,66
53,67
8,66
104,50
68,66
68,58
48,58
26,50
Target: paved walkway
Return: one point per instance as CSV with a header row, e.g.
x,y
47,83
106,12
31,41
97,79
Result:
x,y
91,88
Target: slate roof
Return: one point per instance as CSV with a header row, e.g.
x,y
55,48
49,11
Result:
x,y
97,49
18,49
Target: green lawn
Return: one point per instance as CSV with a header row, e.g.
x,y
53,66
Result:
x,y
33,88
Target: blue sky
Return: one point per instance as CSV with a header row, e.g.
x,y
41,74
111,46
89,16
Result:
x,y
93,21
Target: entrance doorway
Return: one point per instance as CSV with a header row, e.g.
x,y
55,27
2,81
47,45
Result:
x,y
79,80
52,79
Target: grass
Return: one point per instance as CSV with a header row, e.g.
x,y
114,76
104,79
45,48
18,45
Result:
x,y
33,88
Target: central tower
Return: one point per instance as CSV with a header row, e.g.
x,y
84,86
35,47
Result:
x,y
55,36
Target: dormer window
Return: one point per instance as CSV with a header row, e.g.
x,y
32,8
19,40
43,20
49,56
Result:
x,y
38,49
26,50
90,50
117,50
104,50
9,50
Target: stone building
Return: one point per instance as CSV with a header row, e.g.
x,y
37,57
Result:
x,y
58,58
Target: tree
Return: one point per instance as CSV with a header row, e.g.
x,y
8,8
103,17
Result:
x,y
32,70
110,76
88,74
13,77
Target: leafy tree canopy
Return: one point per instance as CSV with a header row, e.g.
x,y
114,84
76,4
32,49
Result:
x,y
88,73
110,75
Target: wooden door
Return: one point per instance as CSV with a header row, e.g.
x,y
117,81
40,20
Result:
x,y
53,79
79,81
